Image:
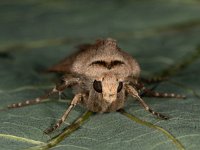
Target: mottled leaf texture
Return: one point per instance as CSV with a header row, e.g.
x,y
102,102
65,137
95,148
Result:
x,y
162,35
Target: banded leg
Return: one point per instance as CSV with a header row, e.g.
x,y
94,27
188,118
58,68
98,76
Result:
x,y
77,98
33,101
153,80
150,93
134,94
57,89
143,91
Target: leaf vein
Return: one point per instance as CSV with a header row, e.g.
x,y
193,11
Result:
x,y
20,139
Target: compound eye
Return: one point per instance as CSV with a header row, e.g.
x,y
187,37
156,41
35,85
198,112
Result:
x,y
97,86
120,87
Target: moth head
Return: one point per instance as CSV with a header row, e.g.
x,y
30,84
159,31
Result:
x,y
109,86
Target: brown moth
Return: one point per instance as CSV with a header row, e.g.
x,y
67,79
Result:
x,y
102,76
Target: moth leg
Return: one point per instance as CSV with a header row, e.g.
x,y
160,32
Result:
x,y
146,92
153,80
57,89
150,93
77,98
59,95
134,94
33,101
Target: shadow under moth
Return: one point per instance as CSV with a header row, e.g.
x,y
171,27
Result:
x,y
102,76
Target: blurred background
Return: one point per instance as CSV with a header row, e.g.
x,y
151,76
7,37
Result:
x,y
36,34
48,30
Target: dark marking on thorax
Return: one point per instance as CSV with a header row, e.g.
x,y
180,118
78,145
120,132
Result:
x,y
108,65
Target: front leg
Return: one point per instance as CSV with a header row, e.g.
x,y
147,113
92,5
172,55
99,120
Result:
x,y
77,98
130,90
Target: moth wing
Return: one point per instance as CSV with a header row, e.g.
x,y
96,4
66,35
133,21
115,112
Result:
x,y
64,66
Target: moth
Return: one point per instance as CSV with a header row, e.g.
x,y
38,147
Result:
x,y
102,76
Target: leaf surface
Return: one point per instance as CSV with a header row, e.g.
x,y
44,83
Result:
x,y
162,36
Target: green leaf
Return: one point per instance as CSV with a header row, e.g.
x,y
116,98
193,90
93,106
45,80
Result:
x,y
162,36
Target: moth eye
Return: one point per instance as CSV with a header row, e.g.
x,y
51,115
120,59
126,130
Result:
x,y
97,86
119,87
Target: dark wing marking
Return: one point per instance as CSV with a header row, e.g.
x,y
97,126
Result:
x,y
99,63
64,66
108,65
116,63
